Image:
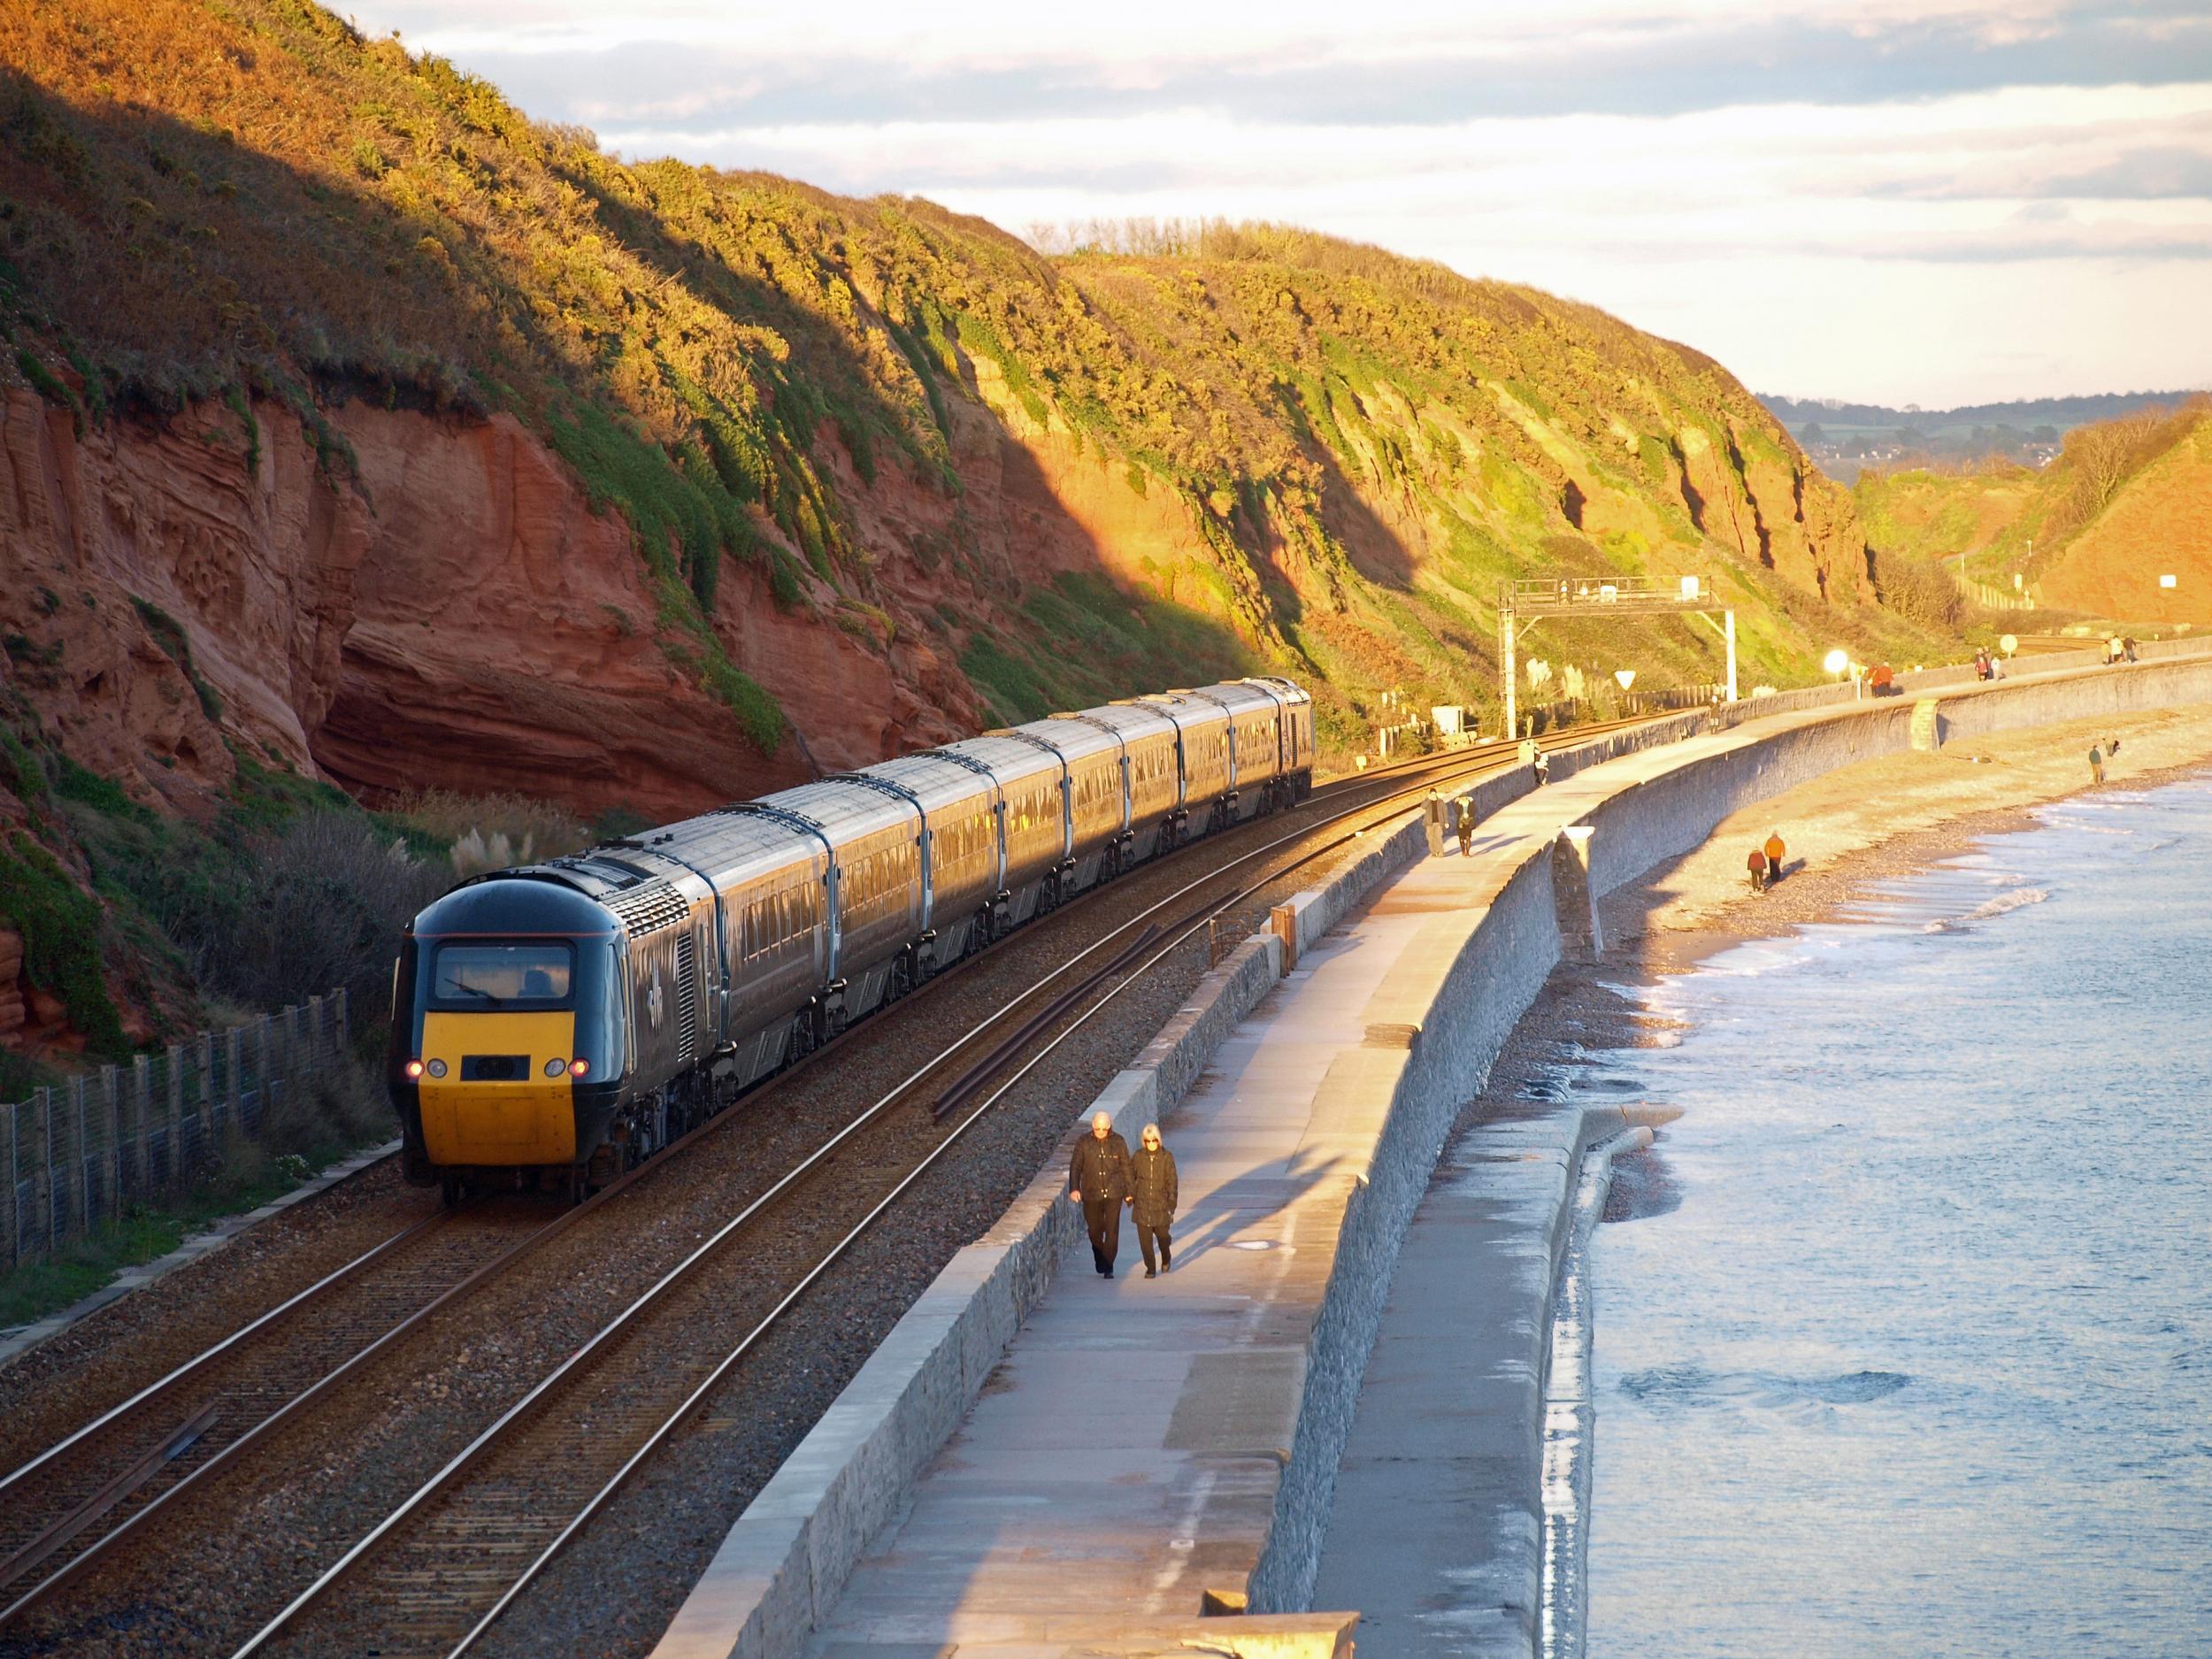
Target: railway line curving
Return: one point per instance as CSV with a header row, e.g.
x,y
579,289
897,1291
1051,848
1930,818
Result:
x,y
459,1543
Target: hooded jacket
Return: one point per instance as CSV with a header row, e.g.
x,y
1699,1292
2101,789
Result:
x,y
1152,1183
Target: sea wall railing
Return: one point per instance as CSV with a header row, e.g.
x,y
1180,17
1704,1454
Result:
x,y
79,1155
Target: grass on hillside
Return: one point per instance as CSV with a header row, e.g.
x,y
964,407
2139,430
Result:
x,y
255,198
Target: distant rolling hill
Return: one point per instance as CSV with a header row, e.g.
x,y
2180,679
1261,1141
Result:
x,y
1843,437
2125,504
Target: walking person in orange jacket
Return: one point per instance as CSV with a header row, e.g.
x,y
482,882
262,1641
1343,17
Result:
x,y
1774,850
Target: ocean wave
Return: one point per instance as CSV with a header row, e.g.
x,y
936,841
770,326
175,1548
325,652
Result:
x,y
1693,1386
1988,909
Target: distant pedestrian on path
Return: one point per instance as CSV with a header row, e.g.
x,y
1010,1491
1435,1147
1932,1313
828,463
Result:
x,y
1774,850
1757,865
1152,1196
1466,825
1098,1180
2096,765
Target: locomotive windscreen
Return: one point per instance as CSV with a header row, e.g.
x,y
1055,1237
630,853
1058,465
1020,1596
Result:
x,y
535,973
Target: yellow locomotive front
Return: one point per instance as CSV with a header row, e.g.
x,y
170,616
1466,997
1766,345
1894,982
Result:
x,y
507,1036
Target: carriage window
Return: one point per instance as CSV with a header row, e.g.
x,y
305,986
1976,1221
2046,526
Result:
x,y
533,975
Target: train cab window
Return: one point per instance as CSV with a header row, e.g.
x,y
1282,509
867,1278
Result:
x,y
536,974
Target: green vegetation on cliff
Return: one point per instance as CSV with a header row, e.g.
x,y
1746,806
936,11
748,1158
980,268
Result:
x,y
1351,451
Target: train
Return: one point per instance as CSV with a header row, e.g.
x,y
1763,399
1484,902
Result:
x,y
555,1024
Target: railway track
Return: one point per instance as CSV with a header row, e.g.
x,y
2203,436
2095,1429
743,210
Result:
x,y
436,1574
126,1461
92,1495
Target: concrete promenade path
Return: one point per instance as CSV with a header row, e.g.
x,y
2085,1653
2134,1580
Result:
x,y
1124,1458
1125,1454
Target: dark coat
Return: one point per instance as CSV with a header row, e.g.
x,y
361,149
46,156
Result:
x,y
1152,1183
1100,1169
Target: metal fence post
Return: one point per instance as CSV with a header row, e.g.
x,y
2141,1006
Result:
x,y
234,1045
83,1181
46,1129
345,1035
262,1072
142,1106
207,1088
14,1208
172,1168
317,1019
111,1154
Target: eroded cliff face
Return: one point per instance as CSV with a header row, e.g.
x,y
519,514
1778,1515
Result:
x,y
455,618
449,613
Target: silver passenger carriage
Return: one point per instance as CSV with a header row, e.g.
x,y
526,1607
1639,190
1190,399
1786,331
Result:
x,y
1096,760
739,939
1153,761
963,865
1032,777
1201,740
873,897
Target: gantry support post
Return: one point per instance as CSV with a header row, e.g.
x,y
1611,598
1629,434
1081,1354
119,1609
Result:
x,y
1509,631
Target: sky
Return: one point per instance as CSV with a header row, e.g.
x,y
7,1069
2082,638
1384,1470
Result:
x,y
1929,201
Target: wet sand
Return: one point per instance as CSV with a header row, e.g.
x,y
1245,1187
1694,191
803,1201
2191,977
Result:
x,y
1845,832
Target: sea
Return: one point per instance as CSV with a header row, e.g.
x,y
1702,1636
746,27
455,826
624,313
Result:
x,y
1903,1332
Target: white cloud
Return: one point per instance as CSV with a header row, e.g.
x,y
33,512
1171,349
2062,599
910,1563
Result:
x,y
1852,203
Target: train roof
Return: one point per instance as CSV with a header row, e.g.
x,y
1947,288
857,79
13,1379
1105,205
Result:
x,y
1075,735
843,808
533,900
1239,696
1131,719
940,783
1186,710
1011,759
1289,690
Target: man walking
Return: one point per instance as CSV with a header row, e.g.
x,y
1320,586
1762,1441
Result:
x,y
2096,763
1152,1196
1098,1180
1466,824
1756,867
1774,849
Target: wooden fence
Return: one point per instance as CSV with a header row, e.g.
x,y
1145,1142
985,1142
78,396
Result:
x,y
80,1154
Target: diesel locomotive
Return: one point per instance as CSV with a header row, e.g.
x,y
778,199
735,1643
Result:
x,y
558,1023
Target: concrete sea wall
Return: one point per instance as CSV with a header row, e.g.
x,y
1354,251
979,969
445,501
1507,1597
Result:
x,y
1432,1031
789,1555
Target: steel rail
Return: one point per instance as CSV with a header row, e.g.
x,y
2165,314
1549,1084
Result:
x,y
692,1400
300,1299
1473,758
636,1311
44,1544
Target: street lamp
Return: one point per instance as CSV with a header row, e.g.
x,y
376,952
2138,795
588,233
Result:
x,y
1836,662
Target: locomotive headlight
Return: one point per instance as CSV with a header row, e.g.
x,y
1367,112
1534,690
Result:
x,y
437,1068
577,1068
554,1068
413,1068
